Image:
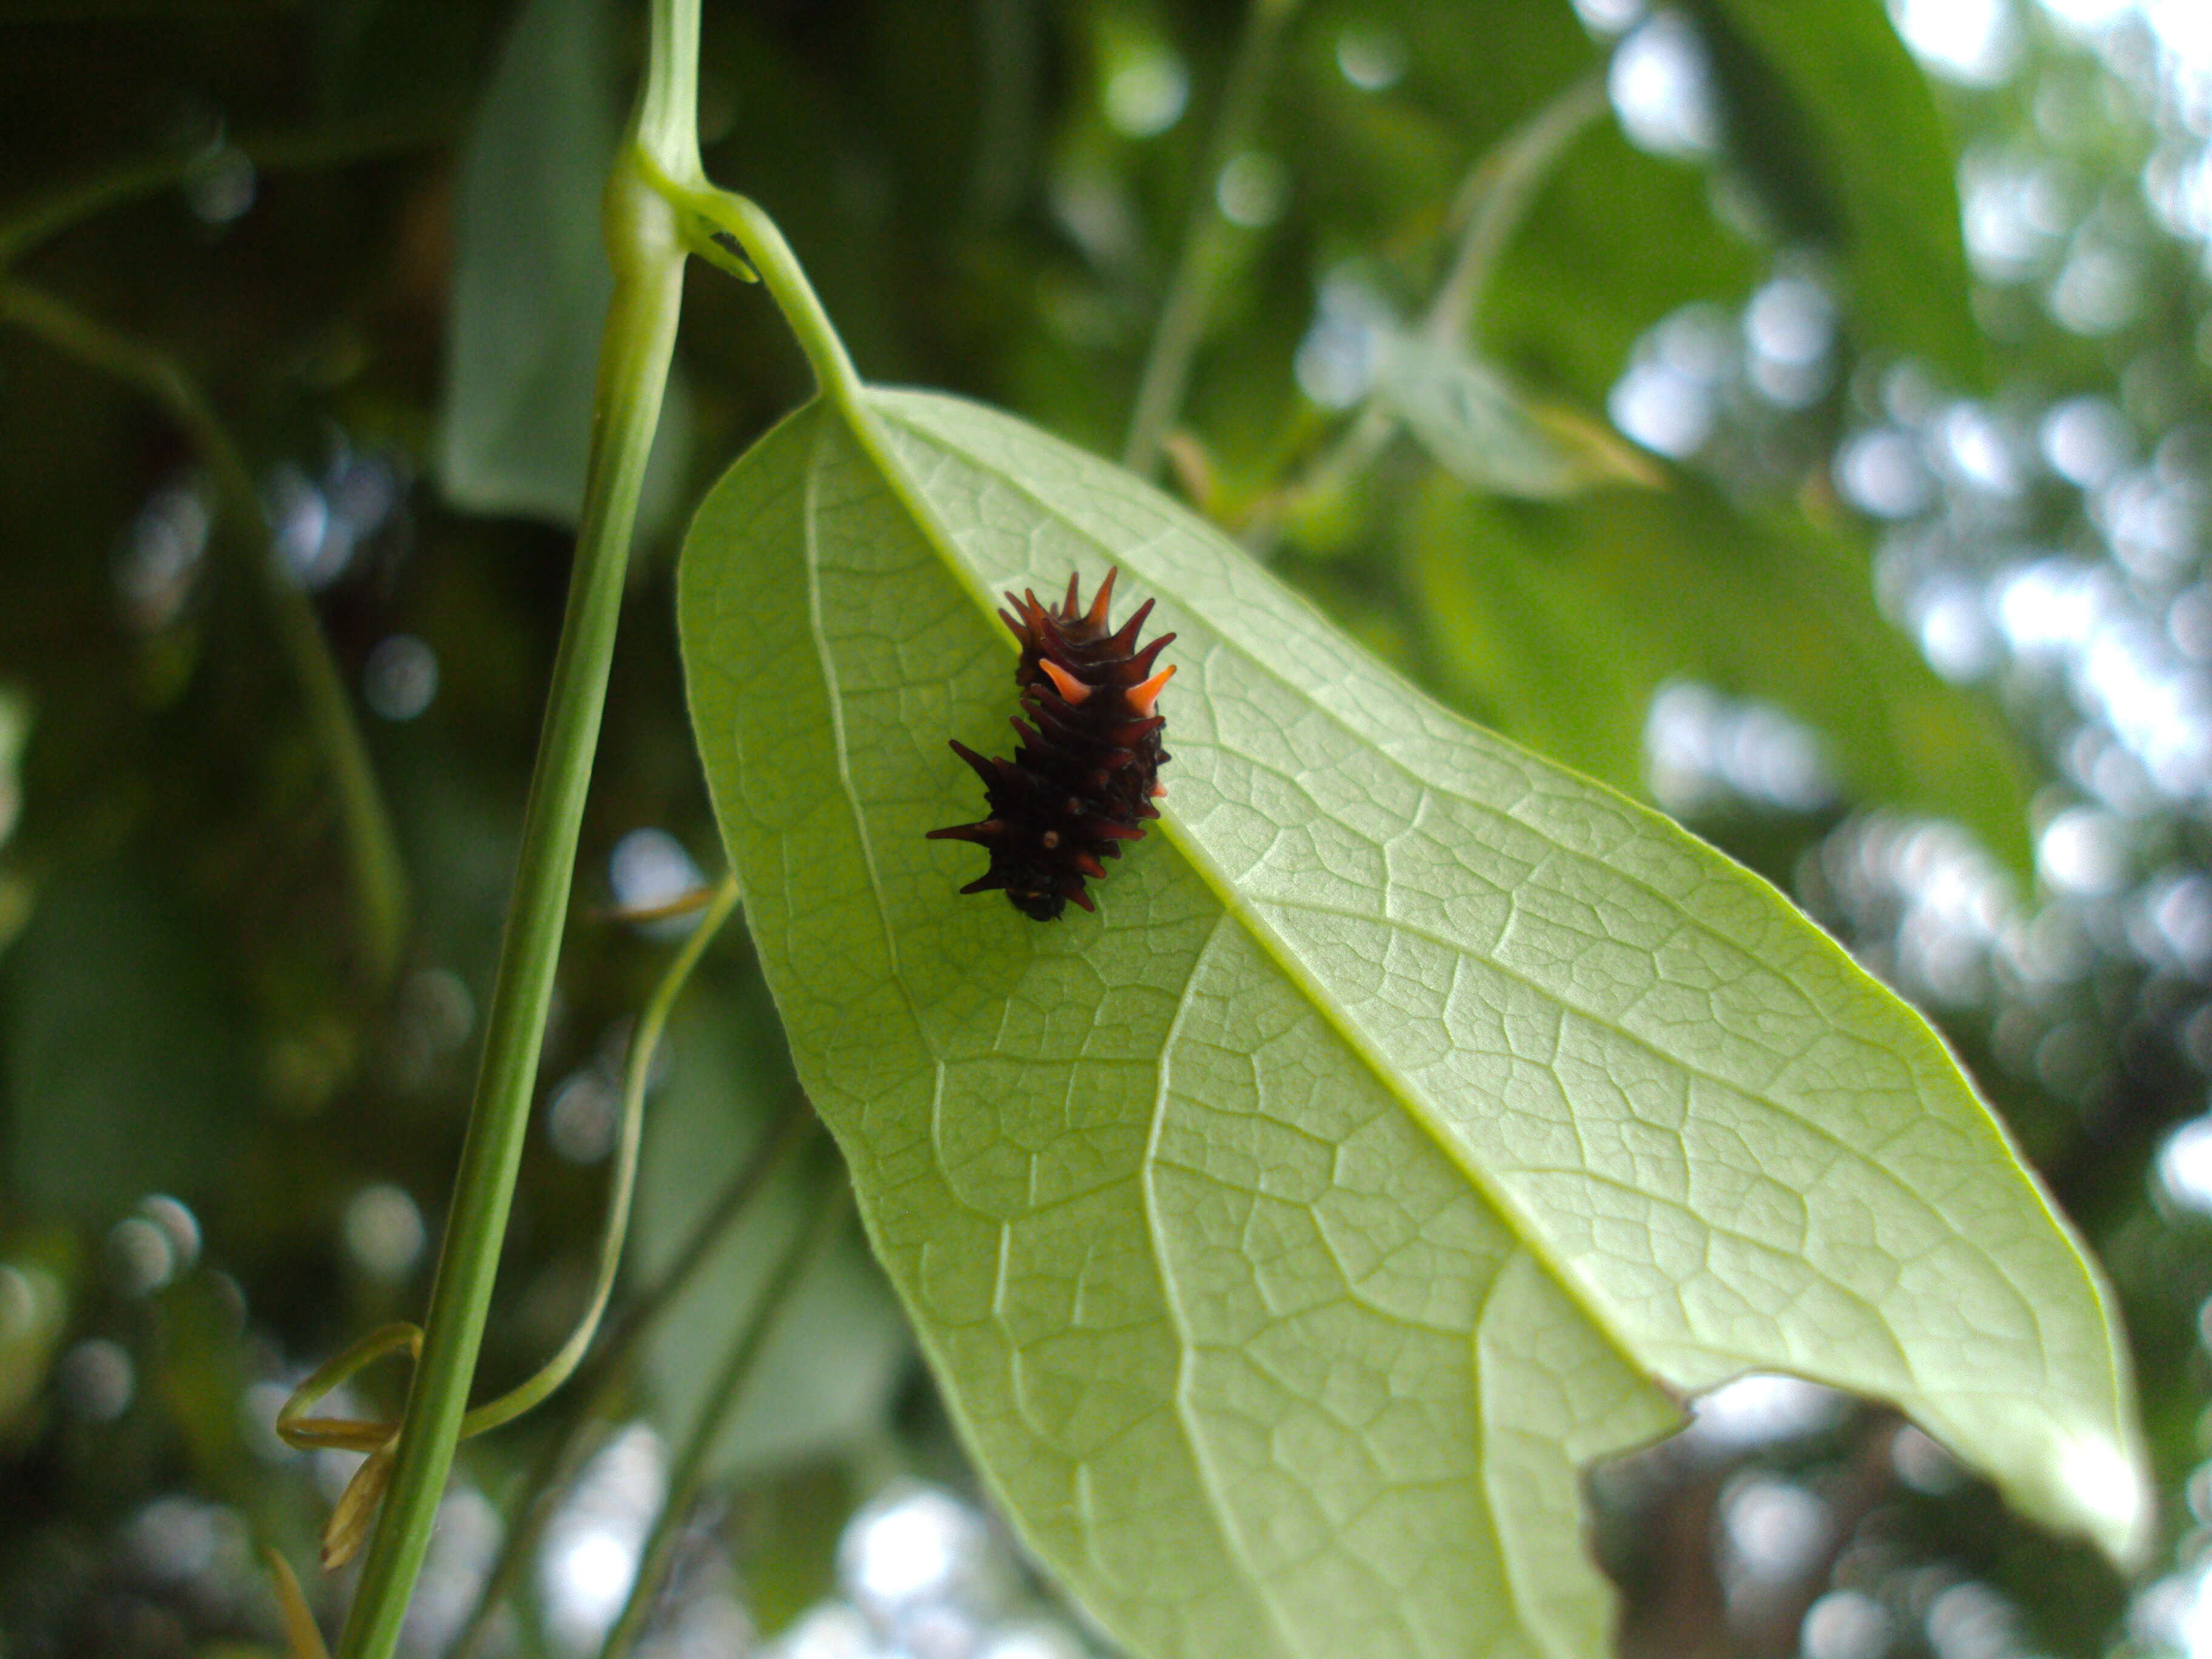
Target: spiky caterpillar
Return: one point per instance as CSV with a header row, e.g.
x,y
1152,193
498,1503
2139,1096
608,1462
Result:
x,y
1087,768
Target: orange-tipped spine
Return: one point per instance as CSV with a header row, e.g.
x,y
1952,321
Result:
x,y
1087,756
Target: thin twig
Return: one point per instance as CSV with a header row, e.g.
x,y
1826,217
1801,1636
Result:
x,y
379,878
1204,250
610,1369
350,1519
1496,196
689,1473
45,217
683,904
644,1042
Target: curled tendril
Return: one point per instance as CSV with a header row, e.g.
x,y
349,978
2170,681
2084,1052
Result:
x,y
349,1524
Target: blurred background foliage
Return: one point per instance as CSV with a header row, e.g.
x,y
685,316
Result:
x,y
1791,411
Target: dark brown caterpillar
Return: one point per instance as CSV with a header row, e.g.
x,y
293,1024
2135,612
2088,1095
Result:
x,y
1087,768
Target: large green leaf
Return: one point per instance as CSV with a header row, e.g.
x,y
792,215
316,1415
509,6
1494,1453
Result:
x,y
1411,1124
1827,110
1557,623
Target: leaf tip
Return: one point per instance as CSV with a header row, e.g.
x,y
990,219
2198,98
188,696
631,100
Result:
x,y
2109,1495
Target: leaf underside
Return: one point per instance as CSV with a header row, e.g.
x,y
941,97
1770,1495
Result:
x,y
1412,1121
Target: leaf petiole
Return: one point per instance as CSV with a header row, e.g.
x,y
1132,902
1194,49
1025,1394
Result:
x,y
740,238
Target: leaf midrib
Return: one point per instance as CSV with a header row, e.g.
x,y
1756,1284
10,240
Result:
x,y
1384,745
1977,1122
1870,1158
1509,1210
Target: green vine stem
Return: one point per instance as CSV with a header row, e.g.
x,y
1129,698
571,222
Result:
x,y
726,217
647,258
658,207
689,1473
564,1452
378,875
1206,241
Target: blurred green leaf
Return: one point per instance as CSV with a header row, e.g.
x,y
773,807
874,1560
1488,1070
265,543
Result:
x,y
15,732
1556,624
15,891
1614,238
1286,1235
122,1063
531,282
1477,425
1830,115
826,1376
789,1534
35,1310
